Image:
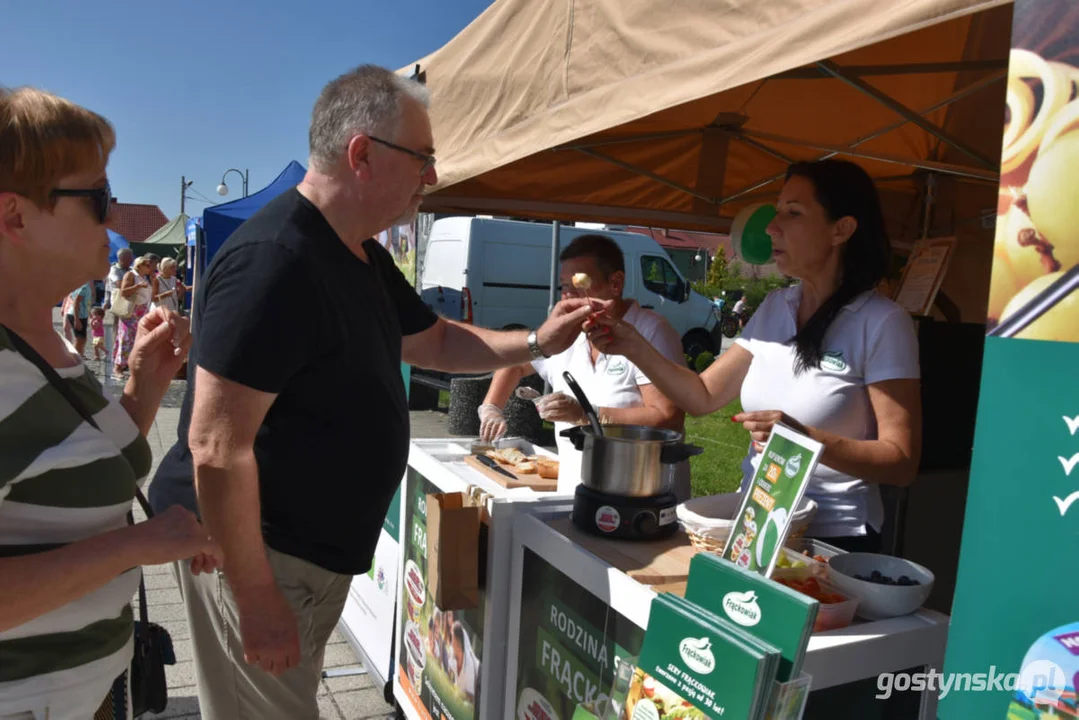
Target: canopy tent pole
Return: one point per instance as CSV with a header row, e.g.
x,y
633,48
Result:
x,y
989,176
646,173
552,300
811,72
969,90
902,110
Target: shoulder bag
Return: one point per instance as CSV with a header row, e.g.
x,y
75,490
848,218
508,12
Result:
x,y
153,645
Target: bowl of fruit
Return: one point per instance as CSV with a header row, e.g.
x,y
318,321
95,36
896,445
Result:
x,y
886,586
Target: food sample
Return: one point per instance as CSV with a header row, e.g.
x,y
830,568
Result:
x,y
507,456
811,587
879,578
525,464
582,281
547,467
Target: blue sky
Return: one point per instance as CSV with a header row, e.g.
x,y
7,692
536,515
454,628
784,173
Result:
x,y
198,87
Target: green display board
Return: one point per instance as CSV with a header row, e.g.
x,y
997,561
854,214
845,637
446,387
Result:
x,y
1017,595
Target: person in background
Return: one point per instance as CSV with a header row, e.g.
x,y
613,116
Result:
x,y
135,287
78,312
155,262
166,288
465,664
124,258
739,310
117,271
830,357
266,426
617,388
65,317
97,332
69,561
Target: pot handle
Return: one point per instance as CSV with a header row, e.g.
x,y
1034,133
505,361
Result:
x,y
678,452
576,436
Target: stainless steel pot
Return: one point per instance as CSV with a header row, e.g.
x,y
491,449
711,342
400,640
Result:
x,y
629,460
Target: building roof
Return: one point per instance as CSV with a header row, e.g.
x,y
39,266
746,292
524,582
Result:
x,y
136,221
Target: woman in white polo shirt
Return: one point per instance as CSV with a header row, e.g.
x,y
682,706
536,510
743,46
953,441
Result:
x,y
616,387
828,357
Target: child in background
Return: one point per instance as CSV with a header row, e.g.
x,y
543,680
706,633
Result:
x,y
97,331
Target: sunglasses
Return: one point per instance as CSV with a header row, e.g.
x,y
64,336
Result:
x,y
428,160
100,198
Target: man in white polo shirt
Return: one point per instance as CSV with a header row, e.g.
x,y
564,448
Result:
x,y
619,391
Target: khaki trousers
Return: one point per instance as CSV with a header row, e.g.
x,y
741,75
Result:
x,y
229,688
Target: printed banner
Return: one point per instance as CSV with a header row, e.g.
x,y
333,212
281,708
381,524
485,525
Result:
x,y
1016,607
571,643
439,652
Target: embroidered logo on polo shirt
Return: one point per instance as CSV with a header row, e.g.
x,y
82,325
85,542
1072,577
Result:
x,y
833,362
617,367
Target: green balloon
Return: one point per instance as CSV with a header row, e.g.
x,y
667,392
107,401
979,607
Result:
x,y
755,245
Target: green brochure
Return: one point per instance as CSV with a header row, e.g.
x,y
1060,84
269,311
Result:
x,y
694,664
786,465
766,609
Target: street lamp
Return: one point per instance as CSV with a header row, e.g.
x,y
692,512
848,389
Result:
x,y
223,189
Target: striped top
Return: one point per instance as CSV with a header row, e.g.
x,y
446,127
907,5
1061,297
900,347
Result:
x,y
62,481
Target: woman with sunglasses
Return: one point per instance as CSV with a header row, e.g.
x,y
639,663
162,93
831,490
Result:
x,y
70,458
136,288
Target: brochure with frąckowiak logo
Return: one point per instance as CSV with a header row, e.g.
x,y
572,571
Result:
x,y
763,521
697,662
772,612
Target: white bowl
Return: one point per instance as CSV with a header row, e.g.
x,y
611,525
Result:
x,y
880,601
714,515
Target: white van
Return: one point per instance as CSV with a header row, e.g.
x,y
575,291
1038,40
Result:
x,y
496,274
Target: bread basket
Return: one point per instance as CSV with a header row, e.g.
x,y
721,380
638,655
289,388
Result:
x,y
708,520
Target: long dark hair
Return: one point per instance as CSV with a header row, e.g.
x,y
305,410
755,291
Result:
x,y
843,189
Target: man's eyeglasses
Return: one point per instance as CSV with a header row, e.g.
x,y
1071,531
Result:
x,y
100,198
428,160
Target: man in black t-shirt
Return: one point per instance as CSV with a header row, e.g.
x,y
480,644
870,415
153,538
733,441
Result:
x,y
294,431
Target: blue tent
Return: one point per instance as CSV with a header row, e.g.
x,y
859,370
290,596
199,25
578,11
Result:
x,y
219,221
117,242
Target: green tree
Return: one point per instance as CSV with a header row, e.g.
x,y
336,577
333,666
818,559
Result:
x,y
718,273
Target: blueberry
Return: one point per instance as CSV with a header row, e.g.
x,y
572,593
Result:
x,y
876,575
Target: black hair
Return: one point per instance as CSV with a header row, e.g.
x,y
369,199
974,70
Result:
x,y
602,249
843,189
459,633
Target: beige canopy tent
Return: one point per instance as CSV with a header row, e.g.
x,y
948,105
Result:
x,y
678,114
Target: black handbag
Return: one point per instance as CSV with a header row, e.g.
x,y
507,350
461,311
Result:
x,y
152,644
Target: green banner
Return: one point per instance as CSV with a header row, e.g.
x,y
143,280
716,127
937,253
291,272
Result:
x,y
439,652
570,643
1017,593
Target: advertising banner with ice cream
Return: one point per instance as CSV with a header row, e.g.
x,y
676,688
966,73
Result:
x,y
439,652
1017,593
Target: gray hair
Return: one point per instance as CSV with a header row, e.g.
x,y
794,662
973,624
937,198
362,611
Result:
x,y
125,252
365,100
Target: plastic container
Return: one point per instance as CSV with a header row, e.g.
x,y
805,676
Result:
x,y
814,547
832,616
804,566
789,699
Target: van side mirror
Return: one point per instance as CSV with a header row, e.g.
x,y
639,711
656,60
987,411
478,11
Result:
x,y
687,292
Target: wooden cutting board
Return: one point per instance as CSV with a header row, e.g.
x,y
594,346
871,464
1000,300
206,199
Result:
x,y
663,565
531,480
